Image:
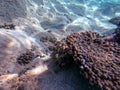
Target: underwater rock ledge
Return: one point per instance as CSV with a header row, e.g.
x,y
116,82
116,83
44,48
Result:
x,y
97,57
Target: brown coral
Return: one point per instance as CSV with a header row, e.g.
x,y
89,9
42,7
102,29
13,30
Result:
x,y
97,58
25,58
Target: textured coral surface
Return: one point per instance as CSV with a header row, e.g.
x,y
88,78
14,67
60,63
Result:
x,y
97,57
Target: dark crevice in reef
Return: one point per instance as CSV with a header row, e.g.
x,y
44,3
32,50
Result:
x,y
97,57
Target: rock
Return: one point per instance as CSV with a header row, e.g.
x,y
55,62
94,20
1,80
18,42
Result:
x,y
97,57
12,9
57,23
17,58
8,26
12,45
74,28
1,88
117,35
115,21
24,82
46,40
45,37
25,58
8,51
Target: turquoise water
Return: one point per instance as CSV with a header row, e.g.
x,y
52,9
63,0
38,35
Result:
x,y
75,15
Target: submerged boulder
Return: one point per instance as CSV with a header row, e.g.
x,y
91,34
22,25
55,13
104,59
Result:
x,y
7,26
12,9
115,21
117,35
97,57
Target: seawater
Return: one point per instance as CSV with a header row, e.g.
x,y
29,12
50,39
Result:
x,y
74,15
60,17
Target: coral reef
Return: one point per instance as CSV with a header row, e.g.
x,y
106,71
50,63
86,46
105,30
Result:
x,y
46,36
25,58
24,82
47,40
97,57
8,26
11,10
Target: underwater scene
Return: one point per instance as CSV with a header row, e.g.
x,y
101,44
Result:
x,y
59,44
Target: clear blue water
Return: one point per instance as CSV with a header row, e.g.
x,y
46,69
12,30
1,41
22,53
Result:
x,y
76,15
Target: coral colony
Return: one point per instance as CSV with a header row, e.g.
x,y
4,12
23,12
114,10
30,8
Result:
x,y
97,58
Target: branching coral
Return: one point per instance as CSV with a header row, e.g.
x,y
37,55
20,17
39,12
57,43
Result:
x,y
97,58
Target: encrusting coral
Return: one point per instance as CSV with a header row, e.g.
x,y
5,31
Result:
x,y
97,57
